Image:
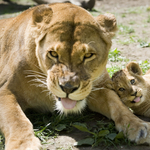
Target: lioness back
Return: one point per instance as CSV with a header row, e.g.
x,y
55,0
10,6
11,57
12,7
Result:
x,y
133,88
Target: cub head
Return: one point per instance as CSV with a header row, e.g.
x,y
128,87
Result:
x,y
129,85
71,50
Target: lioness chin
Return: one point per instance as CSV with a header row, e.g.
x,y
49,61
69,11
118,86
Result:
x,y
133,88
54,57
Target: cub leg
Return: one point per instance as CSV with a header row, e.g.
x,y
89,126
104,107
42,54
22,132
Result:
x,y
15,126
107,102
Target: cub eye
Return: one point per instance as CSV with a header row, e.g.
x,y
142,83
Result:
x,y
88,55
132,81
121,89
53,54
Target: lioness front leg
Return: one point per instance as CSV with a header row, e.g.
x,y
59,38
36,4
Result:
x,y
107,102
16,127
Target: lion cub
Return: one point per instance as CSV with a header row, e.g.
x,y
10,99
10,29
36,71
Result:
x,y
133,88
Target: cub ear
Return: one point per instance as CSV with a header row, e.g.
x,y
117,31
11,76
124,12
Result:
x,y
134,68
42,14
108,23
109,84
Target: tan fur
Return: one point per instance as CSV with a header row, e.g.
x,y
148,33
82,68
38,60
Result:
x,y
140,88
51,52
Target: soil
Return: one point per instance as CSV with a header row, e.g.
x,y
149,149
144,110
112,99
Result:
x,y
132,13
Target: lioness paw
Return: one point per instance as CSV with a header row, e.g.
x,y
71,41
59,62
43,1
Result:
x,y
138,132
147,138
30,144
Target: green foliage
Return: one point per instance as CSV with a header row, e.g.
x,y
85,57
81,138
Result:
x,y
136,10
123,29
86,141
2,141
114,68
102,133
145,65
148,8
144,44
148,20
114,56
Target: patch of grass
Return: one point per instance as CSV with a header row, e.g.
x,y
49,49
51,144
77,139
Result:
x,y
143,43
145,65
148,8
114,56
136,10
125,42
100,133
46,126
2,141
123,29
103,133
132,22
114,68
123,15
129,40
148,20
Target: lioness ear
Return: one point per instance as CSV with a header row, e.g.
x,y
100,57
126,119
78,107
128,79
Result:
x,y
134,68
108,23
42,14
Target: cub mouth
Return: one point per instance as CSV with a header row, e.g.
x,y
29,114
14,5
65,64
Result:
x,y
136,100
68,103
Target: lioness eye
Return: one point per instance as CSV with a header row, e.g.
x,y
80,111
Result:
x,y
121,89
88,55
132,81
53,54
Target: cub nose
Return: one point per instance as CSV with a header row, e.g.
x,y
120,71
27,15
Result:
x,y
68,88
134,94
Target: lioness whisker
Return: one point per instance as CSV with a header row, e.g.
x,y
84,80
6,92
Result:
x,y
91,42
37,76
34,72
38,81
95,89
38,85
91,97
45,91
48,94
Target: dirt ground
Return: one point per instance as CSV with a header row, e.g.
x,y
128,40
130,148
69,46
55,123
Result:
x,y
132,44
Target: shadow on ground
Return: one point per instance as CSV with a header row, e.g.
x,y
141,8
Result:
x,y
8,8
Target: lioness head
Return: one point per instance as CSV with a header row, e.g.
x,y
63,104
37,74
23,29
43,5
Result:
x,y
71,49
129,85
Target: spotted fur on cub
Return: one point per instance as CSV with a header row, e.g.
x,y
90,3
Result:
x,y
133,88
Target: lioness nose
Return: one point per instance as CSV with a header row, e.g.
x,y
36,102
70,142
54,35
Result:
x,y
69,84
68,88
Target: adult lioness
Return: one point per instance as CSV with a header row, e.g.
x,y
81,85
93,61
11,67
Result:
x,y
133,88
60,50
